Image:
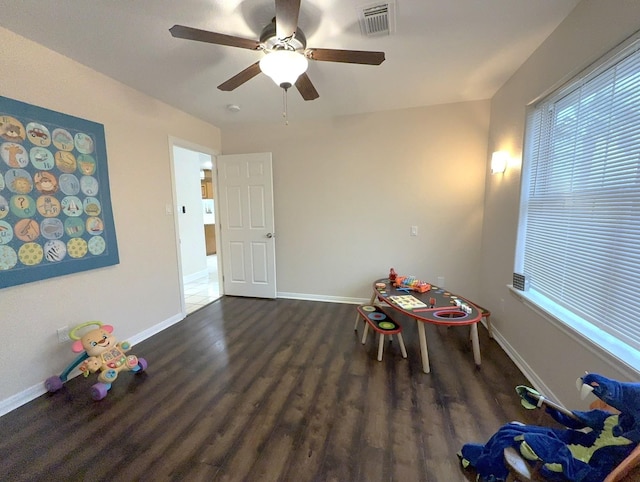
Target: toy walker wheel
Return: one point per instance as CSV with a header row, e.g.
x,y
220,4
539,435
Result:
x,y
99,391
53,384
142,364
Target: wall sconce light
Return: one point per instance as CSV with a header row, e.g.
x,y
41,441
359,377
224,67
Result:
x,y
499,162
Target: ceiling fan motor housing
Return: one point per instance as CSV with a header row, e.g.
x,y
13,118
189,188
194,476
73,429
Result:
x,y
270,40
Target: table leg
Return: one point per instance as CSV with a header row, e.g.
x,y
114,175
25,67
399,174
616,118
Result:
x,y
380,346
402,347
364,334
423,347
476,344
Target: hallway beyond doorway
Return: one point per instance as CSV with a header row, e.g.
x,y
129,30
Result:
x,y
204,290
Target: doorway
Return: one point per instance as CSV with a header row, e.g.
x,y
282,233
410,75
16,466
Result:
x,y
204,289
195,221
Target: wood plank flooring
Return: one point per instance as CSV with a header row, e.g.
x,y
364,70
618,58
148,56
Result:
x,y
271,390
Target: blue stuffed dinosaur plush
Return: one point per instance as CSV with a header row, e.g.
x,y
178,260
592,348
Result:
x,y
592,444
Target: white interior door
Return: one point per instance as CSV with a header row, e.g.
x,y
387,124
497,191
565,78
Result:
x,y
247,232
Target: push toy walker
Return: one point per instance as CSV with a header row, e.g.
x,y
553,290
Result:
x,y
100,352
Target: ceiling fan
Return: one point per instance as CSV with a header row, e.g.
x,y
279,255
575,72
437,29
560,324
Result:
x,y
286,53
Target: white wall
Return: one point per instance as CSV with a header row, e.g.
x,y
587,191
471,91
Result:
x,y
193,251
347,190
553,357
143,290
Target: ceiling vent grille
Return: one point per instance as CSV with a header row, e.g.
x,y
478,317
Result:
x,y
377,19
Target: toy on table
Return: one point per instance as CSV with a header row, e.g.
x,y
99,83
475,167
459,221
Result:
x,y
411,283
99,352
407,302
570,453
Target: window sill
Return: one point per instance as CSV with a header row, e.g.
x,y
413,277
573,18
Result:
x,y
611,350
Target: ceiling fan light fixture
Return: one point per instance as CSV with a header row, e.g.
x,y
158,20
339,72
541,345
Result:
x,y
284,66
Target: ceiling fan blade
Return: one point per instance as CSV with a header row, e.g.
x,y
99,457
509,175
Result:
x,y
347,56
306,88
239,79
189,33
287,12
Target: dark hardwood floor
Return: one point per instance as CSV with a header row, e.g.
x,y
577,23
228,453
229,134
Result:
x,y
266,390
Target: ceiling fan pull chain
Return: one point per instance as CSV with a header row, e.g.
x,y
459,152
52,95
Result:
x,y
284,105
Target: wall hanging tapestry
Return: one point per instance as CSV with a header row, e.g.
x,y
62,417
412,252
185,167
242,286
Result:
x,y
55,206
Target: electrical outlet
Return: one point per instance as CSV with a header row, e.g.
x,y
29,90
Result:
x,y
63,334
414,230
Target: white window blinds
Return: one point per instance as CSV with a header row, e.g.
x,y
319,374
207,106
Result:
x,y
579,240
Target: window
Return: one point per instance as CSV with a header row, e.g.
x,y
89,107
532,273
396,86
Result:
x,y
579,232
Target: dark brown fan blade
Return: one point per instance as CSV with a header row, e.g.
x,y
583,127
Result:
x,y
348,56
306,88
239,79
189,33
287,12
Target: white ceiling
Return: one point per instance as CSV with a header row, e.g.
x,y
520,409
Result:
x,y
442,51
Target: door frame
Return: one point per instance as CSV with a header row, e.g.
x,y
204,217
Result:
x,y
171,210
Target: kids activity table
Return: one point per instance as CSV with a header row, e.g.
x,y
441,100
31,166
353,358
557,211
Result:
x,y
436,306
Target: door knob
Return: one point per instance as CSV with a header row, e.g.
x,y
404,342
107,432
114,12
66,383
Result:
x,y
271,235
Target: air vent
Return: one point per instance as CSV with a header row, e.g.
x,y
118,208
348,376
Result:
x,y
377,19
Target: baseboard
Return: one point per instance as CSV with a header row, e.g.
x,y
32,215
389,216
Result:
x,y
19,399
524,367
149,332
324,298
31,393
194,276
